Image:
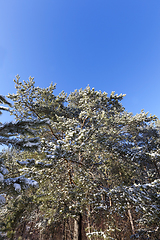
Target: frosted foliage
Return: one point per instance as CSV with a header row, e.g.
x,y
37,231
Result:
x,y
92,153
31,182
2,200
19,134
17,187
1,177
3,170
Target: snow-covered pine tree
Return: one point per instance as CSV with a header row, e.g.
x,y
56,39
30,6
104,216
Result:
x,y
94,152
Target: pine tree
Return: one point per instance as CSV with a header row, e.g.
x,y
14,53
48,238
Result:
x,y
95,156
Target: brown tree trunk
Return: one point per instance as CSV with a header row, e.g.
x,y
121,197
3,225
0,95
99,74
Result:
x,y
131,219
88,219
77,235
64,230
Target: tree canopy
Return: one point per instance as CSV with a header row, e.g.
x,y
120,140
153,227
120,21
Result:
x,y
90,157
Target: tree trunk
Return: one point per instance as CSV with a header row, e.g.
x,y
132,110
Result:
x,y
64,230
88,219
77,235
131,219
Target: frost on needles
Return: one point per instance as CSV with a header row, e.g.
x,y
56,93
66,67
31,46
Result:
x,y
90,157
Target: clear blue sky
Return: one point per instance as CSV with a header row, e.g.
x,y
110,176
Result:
x,y
112,45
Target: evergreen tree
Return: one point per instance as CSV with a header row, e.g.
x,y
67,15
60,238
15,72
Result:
x,y
96,160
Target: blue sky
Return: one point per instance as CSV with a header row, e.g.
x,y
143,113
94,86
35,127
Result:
x,y
112,45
